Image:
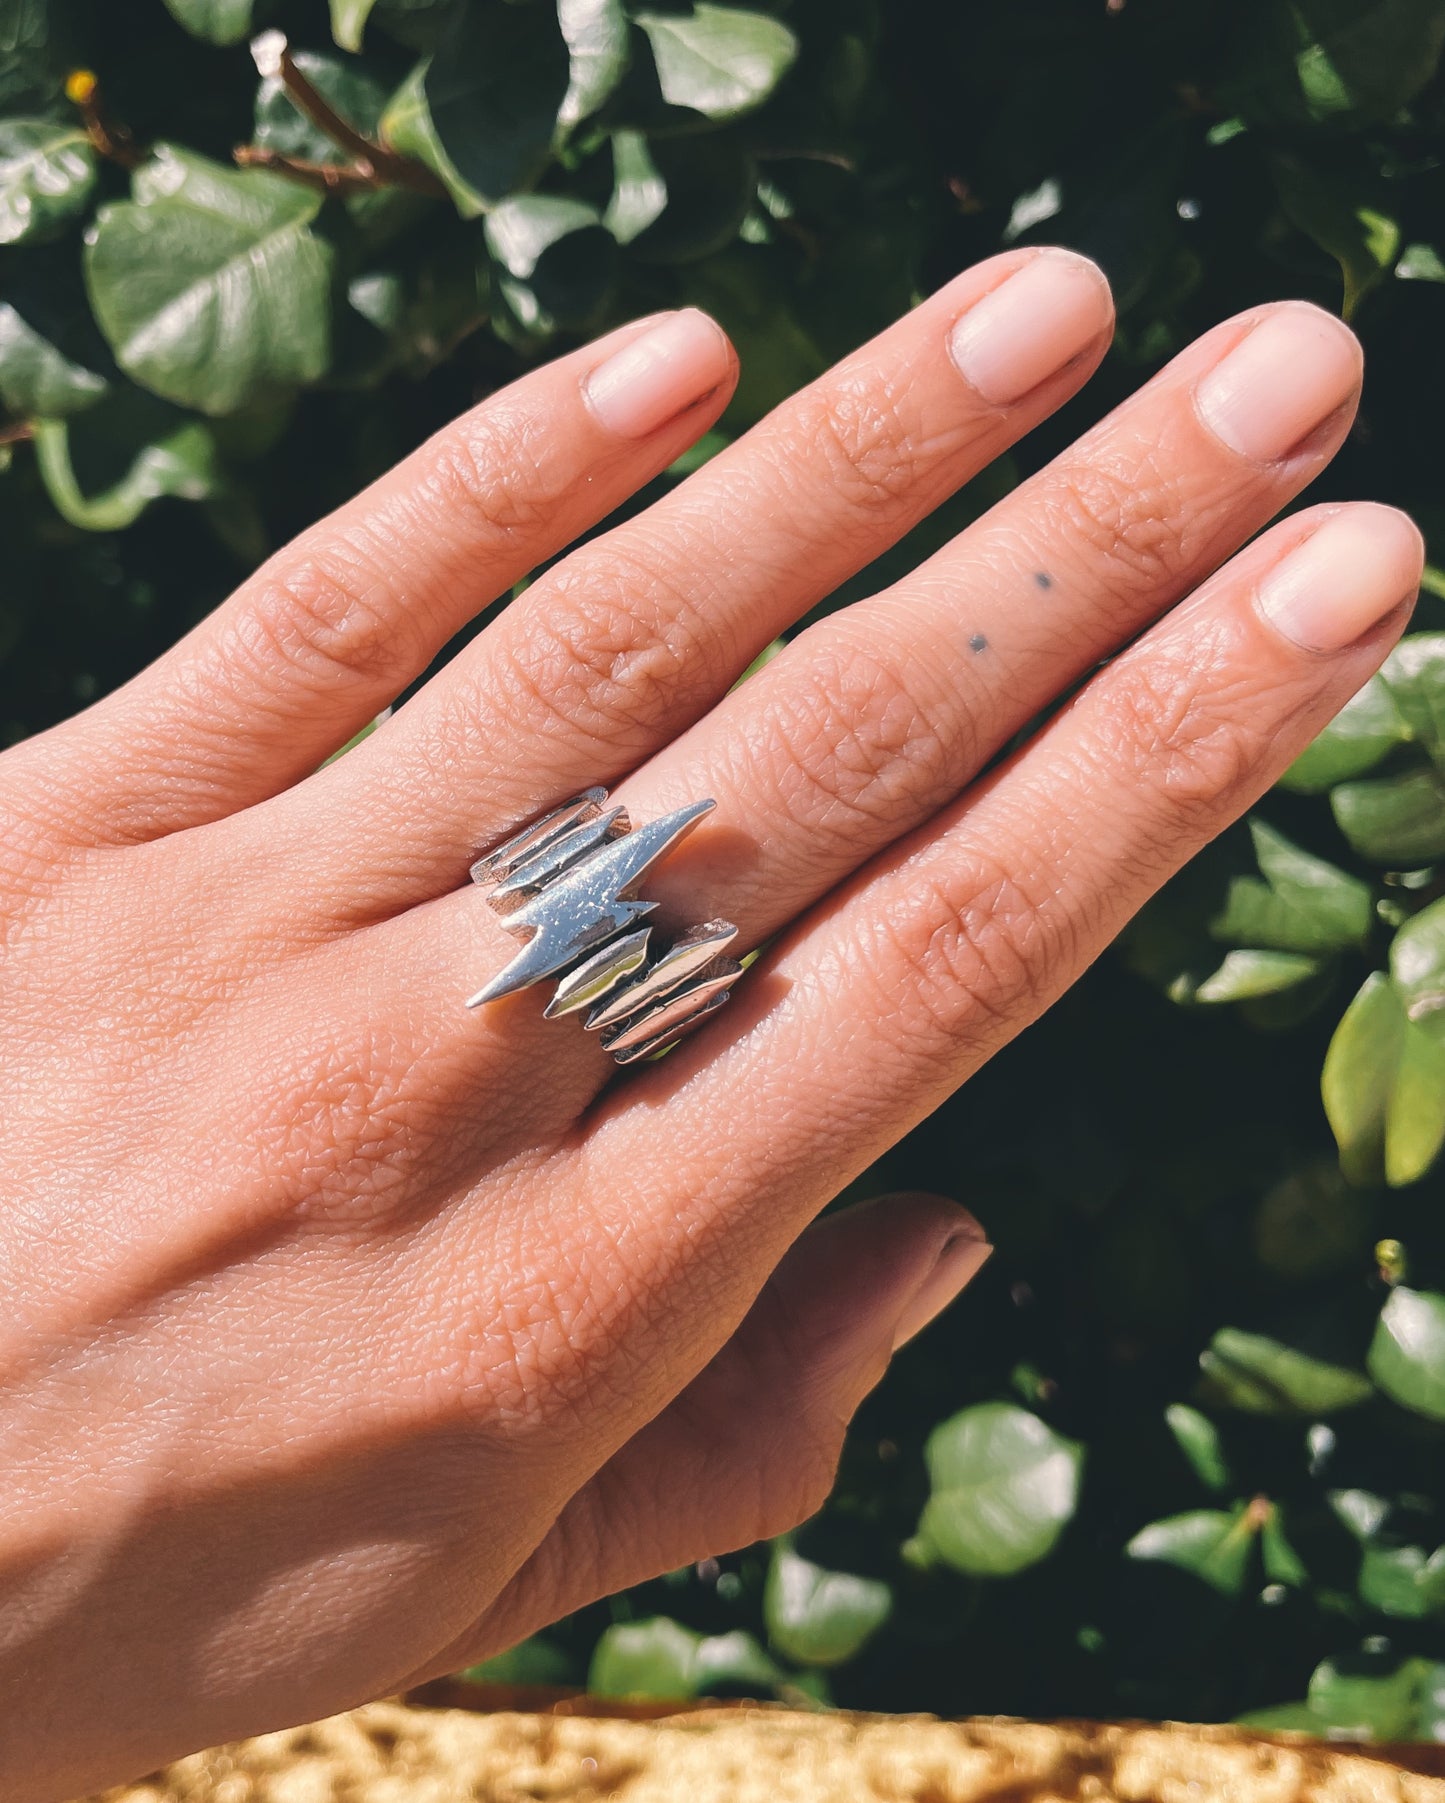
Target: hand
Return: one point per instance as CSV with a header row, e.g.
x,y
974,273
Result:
x,y
349,1335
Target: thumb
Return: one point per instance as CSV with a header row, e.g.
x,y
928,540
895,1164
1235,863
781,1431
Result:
x,y
750,1448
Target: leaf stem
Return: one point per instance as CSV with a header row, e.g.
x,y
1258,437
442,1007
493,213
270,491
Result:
x,y
17,431
372,165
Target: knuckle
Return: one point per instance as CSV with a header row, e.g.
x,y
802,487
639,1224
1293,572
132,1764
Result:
x,y
1195,744
1126,511
976,949
850,436
492,472
323,619
847,746
337,1137
593,659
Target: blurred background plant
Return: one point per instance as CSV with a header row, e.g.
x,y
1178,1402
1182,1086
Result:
x,y
1182,1451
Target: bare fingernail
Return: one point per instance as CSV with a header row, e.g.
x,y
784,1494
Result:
x,y
1346,577
958,1264
652,379
1029,327
1285,378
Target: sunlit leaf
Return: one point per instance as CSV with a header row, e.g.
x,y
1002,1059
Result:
x,y
1407,1355
1003,1487
820,1617
209,284
717,60
47,175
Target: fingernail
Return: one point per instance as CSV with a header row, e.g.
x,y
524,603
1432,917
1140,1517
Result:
x,y
1281,381
958,1264
1024,331
1344,578
652,379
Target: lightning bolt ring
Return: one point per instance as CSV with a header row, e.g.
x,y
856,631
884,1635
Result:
x,y
567,883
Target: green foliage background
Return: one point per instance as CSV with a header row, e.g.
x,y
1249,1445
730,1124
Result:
x,y
1183,1451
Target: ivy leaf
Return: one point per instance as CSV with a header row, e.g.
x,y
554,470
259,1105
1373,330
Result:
x,y
1215,1545
348,22
599,45
1198,1439
1383,1088
1355,1698
218,21
661,1658
47,175
493,95
1004,1485
820,1617
1261,1376
639,192
103,468
1299,903
1365,730
208,284
349,88
1407,1354
717,60
555,260
1246,975
1417,965
1398,821
52,361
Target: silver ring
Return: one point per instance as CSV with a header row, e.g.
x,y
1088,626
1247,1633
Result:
x,y
568,884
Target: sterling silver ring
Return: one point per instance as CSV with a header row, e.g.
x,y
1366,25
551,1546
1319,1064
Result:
x,y
568,884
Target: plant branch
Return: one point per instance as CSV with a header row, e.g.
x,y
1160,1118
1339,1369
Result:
x,y
372,165
16,431
110,139
333,178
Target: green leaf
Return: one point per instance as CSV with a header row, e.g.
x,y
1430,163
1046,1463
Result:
x,y
705,186
555,260
1246,975
599,45
47,175
1361,239
1264,1377
534,1661
218,21
661,1658
820,1617
103,468
1420,263
1336,61
52,361
348,88
1198,1439
717,60
494,92
1214,1545
639,192
1302,903
1403,1581
1003,1487
209,284
1364,731
1282,1564
1352,1698
1397,821
348,22
1407,1354
1414,674
1383,1087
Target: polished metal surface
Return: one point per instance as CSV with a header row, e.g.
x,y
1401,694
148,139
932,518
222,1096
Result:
x,y
567,883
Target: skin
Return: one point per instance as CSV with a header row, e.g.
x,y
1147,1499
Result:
x,y
348,1336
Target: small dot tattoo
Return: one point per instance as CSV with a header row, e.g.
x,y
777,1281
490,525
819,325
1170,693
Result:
x,y
1043,579
978,642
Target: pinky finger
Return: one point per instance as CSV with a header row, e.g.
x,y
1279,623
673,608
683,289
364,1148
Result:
x,y
882,1003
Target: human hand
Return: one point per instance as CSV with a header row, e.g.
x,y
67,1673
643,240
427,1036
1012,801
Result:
x,y
348,1335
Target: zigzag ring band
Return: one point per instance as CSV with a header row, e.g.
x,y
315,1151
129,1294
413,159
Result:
x,y
568,884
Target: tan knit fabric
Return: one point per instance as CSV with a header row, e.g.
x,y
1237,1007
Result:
x,y
390,1753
